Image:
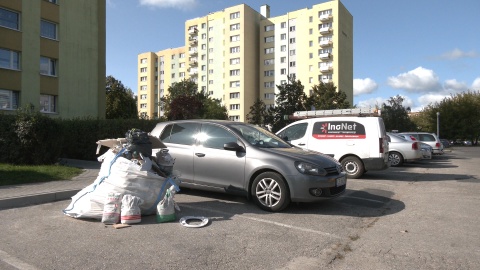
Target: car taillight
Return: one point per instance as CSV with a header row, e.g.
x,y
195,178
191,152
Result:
x,y
413,138
437,145
381,145
415,146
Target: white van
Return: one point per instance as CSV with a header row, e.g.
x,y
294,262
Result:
x,y
359,142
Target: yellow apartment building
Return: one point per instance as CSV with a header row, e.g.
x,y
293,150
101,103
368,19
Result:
x,y
52,57
239,55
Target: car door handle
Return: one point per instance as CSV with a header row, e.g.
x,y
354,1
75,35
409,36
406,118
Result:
x,y
301,144
199,154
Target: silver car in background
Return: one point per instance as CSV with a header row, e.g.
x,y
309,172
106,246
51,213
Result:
x,y
244,159
402,150
428,138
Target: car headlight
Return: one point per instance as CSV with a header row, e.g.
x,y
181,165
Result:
x,y
308,168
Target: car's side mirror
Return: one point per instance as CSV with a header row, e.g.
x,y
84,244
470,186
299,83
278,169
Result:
x,y
285,138
232,146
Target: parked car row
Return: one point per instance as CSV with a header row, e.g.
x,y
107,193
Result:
x,y
306,161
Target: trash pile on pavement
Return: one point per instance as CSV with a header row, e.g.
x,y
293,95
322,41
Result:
x,y
131,183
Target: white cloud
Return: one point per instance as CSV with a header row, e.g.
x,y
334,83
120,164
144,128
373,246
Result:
x,y
476,84
457,54
454,86
430,98
417,80
181,4
371,103
364,86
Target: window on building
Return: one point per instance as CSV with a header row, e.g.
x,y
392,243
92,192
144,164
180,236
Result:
x,y
269,39
204,78
210,82
310,80
9,19
235,49
283,48
310,43
234,15
283,82
234,61
269,95
292,52
210,93
173,75
268,73
204,46
235,84
9,59
234,107
283,71
268,62
204,67
210,39
143,78
210,61
283,59
182,55
269,84
48,66
292,40
270,27
283,25
182,65
234,95
292,64
235,72
235,26
235,38
283,36
292,28
310,31
182,74
173,56
143,60
210,71
173,66
234,118
269,50
143,105
204,25
143,70
204,88
48,30
310,55
143,87
210,28
204,36
48,103
9,100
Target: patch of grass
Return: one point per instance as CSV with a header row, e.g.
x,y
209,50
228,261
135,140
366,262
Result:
x,y
23,174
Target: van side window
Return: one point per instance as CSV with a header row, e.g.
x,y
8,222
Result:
x,y
183,133
215,137
294,132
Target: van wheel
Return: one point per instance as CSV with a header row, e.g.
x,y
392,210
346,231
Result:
x,y
353,167
270,192
395,158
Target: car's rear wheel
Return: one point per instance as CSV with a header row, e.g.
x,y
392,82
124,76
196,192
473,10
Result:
x,y
353,167
270,192
396,159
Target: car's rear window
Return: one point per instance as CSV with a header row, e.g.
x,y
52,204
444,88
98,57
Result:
x,y
180,133
426,138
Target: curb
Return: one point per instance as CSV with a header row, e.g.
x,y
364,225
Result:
x,y
34,199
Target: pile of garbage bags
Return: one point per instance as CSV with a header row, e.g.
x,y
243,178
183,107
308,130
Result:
x,y
131,182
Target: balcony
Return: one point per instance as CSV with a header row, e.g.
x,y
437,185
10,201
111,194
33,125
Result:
x,y
325,43
192,51
326,69
325,17
193,31
327,80
193,62
193,73
193,42
324,56
325,30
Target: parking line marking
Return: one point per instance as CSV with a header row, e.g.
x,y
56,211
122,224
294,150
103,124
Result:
x,y
15,262
267,221
363,199
370,182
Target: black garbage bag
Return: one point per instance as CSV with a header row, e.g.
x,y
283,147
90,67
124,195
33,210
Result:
x,y
138,141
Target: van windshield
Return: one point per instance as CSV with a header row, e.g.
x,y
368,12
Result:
x,y
260,137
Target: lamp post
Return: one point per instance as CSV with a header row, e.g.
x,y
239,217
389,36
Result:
x,y
438,125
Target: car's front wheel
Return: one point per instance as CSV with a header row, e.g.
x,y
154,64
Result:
x,y
353,167
270,192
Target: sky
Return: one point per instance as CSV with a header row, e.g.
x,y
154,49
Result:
x,y
422,50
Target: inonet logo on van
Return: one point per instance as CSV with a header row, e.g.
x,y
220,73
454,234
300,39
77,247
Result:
x,y
338,130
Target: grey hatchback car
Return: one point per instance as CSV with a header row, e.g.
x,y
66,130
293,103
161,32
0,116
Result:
x,y
248,160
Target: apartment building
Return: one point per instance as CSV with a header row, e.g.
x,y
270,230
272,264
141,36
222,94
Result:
x,y
239,55
52,57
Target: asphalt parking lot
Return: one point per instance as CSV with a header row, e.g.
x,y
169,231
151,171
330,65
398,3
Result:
x,y
420,216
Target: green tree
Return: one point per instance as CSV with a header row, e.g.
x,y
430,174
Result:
x,y
291,98
395,115
459,116
325,96
184,101
120,101
258,113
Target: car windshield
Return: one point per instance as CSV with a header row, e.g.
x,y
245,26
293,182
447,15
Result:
x,y
260,137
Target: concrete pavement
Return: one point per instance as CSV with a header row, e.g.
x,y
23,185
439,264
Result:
x,y
29,194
